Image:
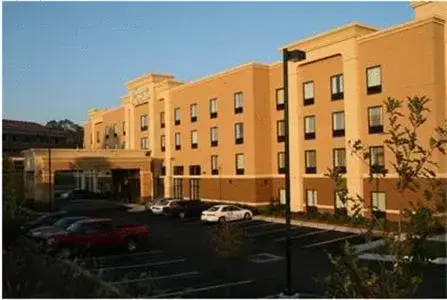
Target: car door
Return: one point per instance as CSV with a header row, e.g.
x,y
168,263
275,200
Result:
x,y
226,213
96,236
237,213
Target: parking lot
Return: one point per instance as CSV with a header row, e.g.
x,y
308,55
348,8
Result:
x,y
182,263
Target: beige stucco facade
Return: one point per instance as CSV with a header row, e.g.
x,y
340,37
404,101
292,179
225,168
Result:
x,y
410,59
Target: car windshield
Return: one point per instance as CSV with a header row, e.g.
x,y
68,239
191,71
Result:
x,y
65,222
75,227
214,208
161,202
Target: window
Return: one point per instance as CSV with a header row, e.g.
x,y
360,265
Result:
x,y
281,163
280,99
163,171
178,141
308,90
238,103
214,164
178,170
115,130
377,159
375,122
340,202
106,132
163,143
143,123
338,124
144,143
213,108
309,128
280,131
311,161
378,201
240,164
194,170
178,188
162,119
239,133
124,128
98,139
311,199
337,87
177,116
194,112
373,80
214,137
194,139
339,156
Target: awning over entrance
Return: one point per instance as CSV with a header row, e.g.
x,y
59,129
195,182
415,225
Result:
x,y
37,166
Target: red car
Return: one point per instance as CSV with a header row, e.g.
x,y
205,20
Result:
x,y
96,234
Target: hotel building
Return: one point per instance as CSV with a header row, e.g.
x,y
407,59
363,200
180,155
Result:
x,y
221,138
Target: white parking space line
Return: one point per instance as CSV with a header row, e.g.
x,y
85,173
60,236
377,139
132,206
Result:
x,y
207,288
295,237
121,255
270,232
368,246
158,263
331,241
259,226
176,275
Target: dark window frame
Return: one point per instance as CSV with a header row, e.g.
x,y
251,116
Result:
x,y
341,169
339,95
377,128
377,168
215,171
338,132
376,89
144,127
238,170
238,109
177,122
279,106
162,119
310,135
193,118
312,169
281,170
240,140
308,101
280,138
377,213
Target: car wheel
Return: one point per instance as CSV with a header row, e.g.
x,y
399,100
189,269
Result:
x,y
131,244
182,215
247,216
221,220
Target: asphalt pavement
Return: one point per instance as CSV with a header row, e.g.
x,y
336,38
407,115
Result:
x,y
181,261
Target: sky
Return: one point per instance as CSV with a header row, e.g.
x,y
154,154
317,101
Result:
x,y
62,58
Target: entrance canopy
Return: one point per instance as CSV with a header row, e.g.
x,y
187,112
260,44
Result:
x,y
38,162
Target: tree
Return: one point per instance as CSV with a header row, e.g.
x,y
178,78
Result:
x,y
75,132
415,167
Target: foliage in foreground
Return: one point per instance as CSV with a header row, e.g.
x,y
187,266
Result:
x,y
414,165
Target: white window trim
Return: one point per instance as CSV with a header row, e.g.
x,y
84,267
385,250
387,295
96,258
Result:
x,y
194,137
337,84
280,96
177,114
178,139
239,130
194,110
213,105
238,100
214,134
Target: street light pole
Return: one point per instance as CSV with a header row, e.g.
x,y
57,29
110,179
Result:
x,y
50,181
295,55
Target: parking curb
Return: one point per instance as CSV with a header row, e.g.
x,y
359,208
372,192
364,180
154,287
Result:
x,y
339,228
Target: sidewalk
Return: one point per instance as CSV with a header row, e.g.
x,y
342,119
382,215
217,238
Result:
x,y
317,225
